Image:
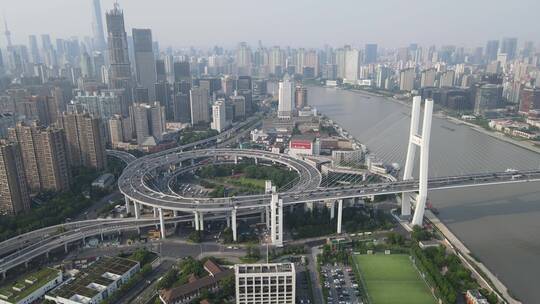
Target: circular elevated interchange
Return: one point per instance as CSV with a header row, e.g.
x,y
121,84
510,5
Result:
x,y
141,180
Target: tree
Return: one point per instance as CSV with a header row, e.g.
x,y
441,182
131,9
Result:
x,y
168,279
420,234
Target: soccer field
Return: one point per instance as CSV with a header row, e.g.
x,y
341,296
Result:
x,y
392,279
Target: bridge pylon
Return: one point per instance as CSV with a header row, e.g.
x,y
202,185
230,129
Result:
x,y
421,142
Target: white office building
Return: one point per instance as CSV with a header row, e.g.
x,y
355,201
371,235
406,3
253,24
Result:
x,y
352,58
286,98
219,119
265,283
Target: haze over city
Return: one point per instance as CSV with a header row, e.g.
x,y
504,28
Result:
x,y
306,23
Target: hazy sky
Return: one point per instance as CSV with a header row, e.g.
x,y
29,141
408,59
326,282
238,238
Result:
x,y
310,23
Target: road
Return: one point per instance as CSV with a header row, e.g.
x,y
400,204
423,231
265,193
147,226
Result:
x,y
318,296
92,211
145,289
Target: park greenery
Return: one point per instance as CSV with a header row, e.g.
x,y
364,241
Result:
x,y
241,179
190,135
54,208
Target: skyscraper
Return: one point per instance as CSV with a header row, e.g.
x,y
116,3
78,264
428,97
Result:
x,y
34,49
492,47
300,97
85,140
181,102
145,64
119,65
97,27
371,53
285,98
352,57
14,196
243,59
199,106
509,47
149,122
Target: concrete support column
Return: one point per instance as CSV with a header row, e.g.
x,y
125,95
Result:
x,y
267,211
128,205
263,216
234,231
162,223
197,223
332,210
268,186
276,222
137,210
340,215
235,160
256,161
228,222
66,247
47,255
155,212
201,218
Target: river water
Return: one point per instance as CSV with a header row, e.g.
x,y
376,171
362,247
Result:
x,y
499,224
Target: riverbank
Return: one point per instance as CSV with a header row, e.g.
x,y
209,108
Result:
x,y
522,144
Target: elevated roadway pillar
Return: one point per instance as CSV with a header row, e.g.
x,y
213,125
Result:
x,y
128,205
339,216
137,210
197,222
162,223
234,228
201,218
276,220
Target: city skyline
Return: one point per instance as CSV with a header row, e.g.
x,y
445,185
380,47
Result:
x,y
194,24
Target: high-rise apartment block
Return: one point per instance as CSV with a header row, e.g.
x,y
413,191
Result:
x,y
85,140
45,156
14,195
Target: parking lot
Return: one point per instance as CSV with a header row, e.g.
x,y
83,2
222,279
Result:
x,y
341,284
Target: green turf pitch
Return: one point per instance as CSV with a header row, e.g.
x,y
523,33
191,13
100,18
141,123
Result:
x,y
392,279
